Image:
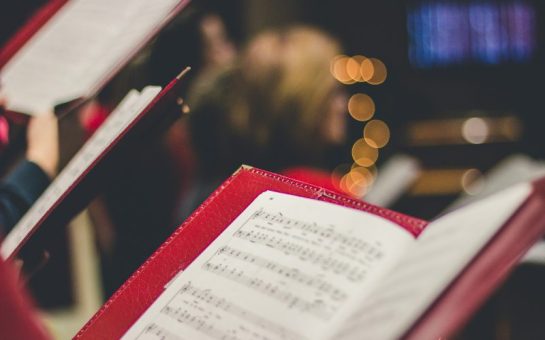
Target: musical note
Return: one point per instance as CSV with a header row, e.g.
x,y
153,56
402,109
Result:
x,y
325,232
294,301
187,312
207,297
155,331
194,321
353,272
293,274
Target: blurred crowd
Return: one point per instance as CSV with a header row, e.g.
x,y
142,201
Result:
x,y
269,102
277,98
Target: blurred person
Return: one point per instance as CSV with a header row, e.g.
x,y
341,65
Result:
x,y
31,176
278,108
23,186
139,207
198,38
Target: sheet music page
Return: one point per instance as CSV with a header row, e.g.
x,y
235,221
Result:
x,y
440,253
77,49
117,122
286,268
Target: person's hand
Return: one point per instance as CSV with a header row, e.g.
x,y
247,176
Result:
x,y
43,142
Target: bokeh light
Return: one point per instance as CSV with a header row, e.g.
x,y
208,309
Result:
x,y
357,181
472,181
353,68
358,68
367,174
379,72
338,69
364,154
367,69
376,133
361,107
475,130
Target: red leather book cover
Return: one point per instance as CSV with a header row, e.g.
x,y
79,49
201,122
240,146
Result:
x,y
197,232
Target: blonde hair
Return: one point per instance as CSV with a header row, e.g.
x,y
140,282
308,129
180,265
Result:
x,y
275,99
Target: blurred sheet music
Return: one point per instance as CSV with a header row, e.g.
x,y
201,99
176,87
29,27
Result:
x,y
511,170
394,178
78,49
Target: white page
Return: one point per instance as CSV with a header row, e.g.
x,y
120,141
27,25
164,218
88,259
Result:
x,y
286,268
536,254
77,49
395,177
512,170
440,253
116,123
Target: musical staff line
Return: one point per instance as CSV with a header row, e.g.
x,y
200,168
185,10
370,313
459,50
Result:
x,y
325,232
317,308
158,331
186,317
207,297
287,272
327,263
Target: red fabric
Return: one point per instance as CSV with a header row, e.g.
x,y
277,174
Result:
x,y
17,318
4,132
315,177
92,116
197,232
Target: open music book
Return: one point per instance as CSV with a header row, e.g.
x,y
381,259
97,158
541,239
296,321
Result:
x,y
139,113
266,257
79,49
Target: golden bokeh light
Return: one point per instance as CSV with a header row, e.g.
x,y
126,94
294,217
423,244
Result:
x,y
376,133
358,181
379,72
353,69
338,69
365,173
364,154
361,107
358,68
355,180
367,69
353,185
